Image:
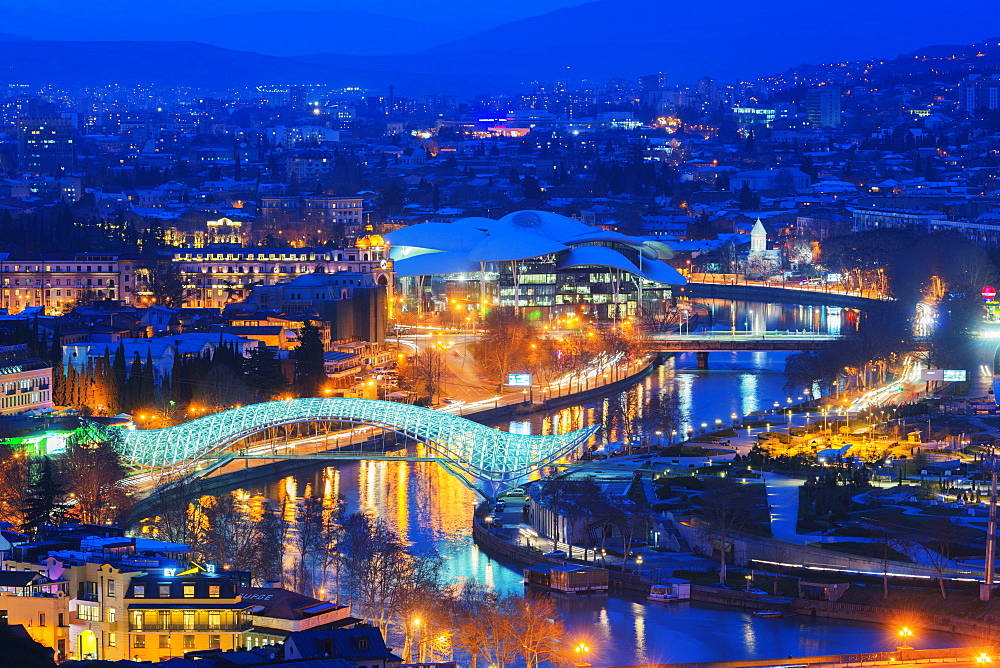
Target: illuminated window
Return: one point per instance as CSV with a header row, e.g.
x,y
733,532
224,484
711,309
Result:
x,y
189,590
214,591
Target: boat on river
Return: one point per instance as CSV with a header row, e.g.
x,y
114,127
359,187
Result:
x,y
768,614
671,589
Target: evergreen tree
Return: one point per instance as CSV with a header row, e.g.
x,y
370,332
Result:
x,y
310,372
263,373
117,380
44,502
147,388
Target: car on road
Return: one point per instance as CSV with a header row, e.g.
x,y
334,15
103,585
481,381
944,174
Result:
x,y
517,491
719,585
449,400
753,591
556,553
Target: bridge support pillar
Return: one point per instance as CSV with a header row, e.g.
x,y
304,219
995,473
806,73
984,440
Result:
x,y
702,360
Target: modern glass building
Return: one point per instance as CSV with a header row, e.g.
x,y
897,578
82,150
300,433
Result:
x,y
533,259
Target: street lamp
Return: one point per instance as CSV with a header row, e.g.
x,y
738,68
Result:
x,y
581,651
638,563
904,633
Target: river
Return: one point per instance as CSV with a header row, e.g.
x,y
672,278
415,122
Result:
x,y
431,510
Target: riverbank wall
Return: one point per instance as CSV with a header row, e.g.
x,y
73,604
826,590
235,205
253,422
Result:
x,y
494,545
960,655
490,416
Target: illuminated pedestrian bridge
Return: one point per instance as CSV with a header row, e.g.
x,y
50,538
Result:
x,y
488,454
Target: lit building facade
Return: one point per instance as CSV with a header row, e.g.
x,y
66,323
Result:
x,y
213,276
58,282
25,381
170,615
533,259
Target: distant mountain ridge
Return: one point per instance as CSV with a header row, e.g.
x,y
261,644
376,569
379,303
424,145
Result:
x,y
729,41
189,64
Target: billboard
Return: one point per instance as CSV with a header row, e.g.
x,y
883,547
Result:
x,y
945,375
519,380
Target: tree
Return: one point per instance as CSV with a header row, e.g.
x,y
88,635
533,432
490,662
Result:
x,y
263,373
231,533
170,512
310,371
893,541
94,473
571,499
164,283
726,511
748,199
936,540
45,500
316,536
505,342
425,370
14,479
380,578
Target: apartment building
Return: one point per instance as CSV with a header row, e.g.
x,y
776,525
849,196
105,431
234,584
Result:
x,y
58,282
219,275
25,381
171,614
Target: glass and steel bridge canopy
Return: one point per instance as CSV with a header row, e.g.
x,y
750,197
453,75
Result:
x,y
485,453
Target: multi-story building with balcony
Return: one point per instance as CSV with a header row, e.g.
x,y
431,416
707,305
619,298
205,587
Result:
x,y
169,615
58,282
25,381
84,574
213,276
312,217
219,275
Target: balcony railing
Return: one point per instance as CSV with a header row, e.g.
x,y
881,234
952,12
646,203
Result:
x,y
233,627
87,597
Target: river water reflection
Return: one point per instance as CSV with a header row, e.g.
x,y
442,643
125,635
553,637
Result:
x,y
431,510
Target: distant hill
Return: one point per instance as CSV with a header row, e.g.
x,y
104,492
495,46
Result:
x,y
286,33
167,63
198,65
730,39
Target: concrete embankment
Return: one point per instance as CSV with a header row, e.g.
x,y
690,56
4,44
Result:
x,y
495,545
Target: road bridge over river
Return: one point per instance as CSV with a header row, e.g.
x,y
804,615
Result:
x,y
706,342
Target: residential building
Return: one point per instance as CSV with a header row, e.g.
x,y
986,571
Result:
x,y
823,107
40,605
215,276
58,282
85,573
363,646
276,613
25,381
171,614
45,145
353,303
318,216
979,92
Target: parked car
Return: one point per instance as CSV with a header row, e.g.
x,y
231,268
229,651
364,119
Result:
x,y
756,592
556,553
517,491
719,585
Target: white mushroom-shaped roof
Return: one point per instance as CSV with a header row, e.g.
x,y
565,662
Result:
x,y
443,248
